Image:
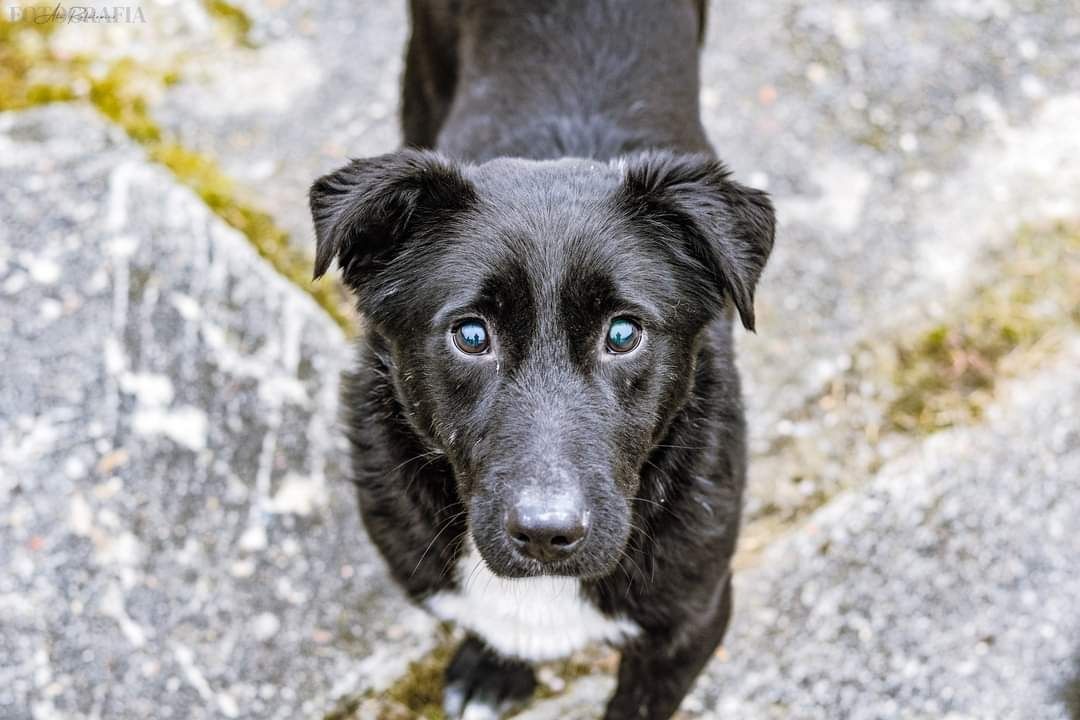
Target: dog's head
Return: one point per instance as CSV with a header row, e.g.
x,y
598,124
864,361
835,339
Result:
x,y
543,320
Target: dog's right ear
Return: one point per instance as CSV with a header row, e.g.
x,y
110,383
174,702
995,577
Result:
x,y
365,212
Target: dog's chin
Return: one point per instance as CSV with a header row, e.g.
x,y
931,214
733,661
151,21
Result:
x,y
508,563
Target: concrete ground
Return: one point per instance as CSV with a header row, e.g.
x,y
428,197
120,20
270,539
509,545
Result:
x,y
176,535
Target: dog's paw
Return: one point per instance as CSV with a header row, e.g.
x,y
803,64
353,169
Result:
x,y
480,685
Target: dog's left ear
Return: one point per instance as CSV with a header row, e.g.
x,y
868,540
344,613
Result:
x,y
366,211
721,228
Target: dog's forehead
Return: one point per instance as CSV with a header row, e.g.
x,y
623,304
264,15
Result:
x,y
544,185
548,215
552,219
550,235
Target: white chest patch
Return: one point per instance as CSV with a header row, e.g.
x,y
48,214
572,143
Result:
x,y
537,619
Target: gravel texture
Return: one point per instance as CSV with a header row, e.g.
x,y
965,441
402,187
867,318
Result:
x,y
949,587
175,540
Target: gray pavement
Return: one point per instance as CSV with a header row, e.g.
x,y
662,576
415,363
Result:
x,y
175,537
949,587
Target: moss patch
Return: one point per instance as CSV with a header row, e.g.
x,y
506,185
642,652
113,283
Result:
x,y
593,661
112,93
202,175
233,19
1070,691
26,77
946,376
419,691
119,92
942,374
416,695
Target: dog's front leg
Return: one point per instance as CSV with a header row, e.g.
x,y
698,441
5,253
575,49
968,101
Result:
x,y
656,672
482,685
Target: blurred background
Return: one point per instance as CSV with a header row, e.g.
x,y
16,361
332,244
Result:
x,y
176,536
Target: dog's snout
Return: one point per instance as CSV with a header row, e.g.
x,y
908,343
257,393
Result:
x,y
547,533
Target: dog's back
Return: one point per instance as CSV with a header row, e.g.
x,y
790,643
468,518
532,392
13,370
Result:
x,y
568,78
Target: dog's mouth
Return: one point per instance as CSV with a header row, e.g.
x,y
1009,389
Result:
x,y
528,568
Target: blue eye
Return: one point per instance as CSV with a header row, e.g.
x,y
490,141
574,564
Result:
x,y
623,335
471,337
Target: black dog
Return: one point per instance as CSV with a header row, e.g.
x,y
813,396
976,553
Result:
x,y
546,423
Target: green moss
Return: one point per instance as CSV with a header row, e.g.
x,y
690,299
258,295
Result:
x,y
1020,315
1070,691
345,709
233,18
113,96
42,93
420,690
874,137
23,57
946,375
417,695
202,175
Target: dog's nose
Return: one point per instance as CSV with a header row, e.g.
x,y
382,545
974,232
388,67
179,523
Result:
x,y
547,533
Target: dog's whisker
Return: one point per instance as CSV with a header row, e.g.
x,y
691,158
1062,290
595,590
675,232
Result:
x,y
455,544
414,458
629,577
415,474
443,529
637,567
645,533
476,568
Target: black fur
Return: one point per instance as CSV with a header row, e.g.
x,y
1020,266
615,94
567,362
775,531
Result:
x,y
492,223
